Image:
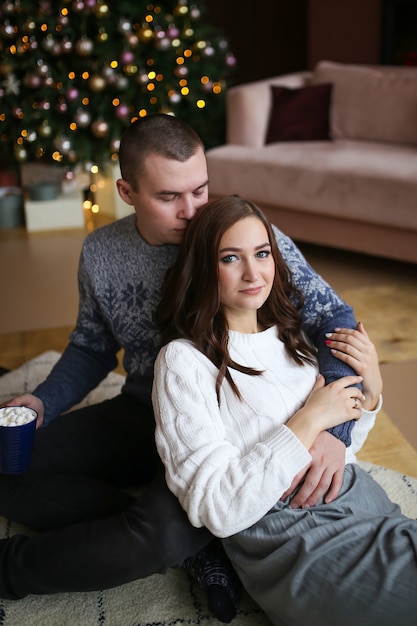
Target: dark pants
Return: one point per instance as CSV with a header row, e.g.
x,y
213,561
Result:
x,y
92,534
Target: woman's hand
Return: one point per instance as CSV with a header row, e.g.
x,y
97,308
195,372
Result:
x,y
354,348
327,406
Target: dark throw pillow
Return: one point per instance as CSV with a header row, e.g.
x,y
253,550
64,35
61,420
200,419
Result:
x,y
300,114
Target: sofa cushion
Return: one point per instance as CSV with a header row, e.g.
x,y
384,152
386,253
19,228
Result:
x,y
352,179
300,114
376,103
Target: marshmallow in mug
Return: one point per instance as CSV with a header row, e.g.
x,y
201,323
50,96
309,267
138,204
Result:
x,y
16,415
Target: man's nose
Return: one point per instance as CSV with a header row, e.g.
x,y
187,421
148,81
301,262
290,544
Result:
x,y
188,209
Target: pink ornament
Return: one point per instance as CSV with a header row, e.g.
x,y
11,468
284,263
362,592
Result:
x,y
122,111
33,81
127,57
173,31
163,44
133,40
78,5
230,60
66,45
69,175
181,71
209,51
175,98
72,93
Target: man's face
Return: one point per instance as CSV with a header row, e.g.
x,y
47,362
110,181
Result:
x,y
168,196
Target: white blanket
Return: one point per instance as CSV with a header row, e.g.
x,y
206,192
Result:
x,y
160,600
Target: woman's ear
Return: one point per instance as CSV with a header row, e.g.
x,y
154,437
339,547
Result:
x,y
124,190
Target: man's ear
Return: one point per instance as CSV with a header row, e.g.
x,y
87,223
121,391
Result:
x,y
124,190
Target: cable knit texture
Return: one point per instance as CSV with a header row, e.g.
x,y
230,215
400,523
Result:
x,y
230,463
120,279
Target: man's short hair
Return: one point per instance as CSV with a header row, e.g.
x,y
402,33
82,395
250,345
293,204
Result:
x,y
155,134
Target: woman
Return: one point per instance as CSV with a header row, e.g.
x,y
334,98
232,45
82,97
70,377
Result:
x,y
238,403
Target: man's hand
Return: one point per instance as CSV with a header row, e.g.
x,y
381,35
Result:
x,y
31,401
324,475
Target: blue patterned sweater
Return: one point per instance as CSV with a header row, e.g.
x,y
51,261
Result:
x,y
120,279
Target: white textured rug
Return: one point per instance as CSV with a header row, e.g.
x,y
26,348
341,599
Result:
x,y
161,600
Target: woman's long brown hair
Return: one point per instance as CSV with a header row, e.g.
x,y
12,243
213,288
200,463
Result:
x,y
190,307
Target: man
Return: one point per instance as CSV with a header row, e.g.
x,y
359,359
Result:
x,y
93,534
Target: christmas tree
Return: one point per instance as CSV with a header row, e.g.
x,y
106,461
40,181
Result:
x,y
75,73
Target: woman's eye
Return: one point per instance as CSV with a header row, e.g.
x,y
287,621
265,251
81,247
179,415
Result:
x,y
228,259
263,254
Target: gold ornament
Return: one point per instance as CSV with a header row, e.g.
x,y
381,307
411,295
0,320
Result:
x,y
97,83
20,154
84,46
101,9
102,36
45,129
100,128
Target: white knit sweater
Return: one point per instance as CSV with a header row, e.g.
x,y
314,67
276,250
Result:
x,y
229,464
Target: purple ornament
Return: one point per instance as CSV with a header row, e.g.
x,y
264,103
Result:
x,y
127,57
72,93
66,45
33,81
230,60
122,111
173,31
69,175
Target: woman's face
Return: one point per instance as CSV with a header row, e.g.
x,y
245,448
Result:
x,y
246,272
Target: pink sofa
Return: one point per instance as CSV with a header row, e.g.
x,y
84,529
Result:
x,y
356,190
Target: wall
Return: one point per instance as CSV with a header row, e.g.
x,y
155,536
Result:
x,y
346,32
268,38
280,36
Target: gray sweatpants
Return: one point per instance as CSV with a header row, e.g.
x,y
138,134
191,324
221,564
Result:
x,y
352,562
